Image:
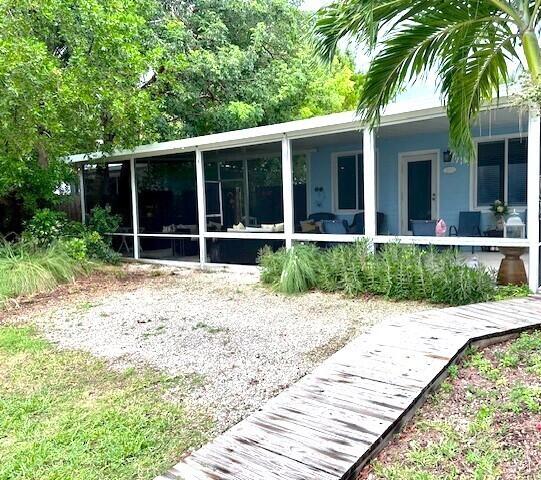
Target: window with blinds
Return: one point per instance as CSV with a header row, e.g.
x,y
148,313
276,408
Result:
x,y
502,172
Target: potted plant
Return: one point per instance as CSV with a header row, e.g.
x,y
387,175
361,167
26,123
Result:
x,y
500,210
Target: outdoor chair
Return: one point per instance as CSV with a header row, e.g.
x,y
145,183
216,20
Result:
x,y
469,225
357,226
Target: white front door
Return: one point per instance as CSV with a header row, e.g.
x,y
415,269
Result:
x,y
418,188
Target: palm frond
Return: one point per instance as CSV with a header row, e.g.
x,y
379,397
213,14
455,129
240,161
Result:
x,y
469,45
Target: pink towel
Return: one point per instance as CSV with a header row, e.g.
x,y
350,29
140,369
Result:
x,y
441,228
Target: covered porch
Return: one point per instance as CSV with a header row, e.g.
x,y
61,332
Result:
x,y
218,200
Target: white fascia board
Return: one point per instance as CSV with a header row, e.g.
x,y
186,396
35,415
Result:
x,y
334,123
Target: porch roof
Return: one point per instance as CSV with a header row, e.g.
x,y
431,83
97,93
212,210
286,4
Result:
x,y
395,114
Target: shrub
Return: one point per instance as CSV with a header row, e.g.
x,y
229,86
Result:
x,y
401,272
76,249
45,227
99,249
272,264
101,220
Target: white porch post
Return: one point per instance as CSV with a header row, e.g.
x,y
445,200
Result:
x,y
82,193
135,216
201,206
534,139
287,188
369,165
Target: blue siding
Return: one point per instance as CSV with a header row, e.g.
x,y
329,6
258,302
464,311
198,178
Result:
x,y
321,176
454,194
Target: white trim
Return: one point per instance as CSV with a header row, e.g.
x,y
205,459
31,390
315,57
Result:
x,y
394,114
410,240
403,159
473,170
287,190
369,187
533,175
201,205
334,181
134,207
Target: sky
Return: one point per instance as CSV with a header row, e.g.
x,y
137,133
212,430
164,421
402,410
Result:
x,y
420,90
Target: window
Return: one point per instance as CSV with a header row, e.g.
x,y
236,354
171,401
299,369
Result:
x,y
501,172
167,194
349,182
109,184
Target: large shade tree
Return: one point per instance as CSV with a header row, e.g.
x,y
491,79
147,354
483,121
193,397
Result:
x,y
71,74
233,64
470,45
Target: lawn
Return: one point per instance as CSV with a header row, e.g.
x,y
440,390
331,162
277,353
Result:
x,y
483,423
66,415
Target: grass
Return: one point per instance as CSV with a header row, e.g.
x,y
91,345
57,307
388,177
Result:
x,y
483,423
66,415
26,269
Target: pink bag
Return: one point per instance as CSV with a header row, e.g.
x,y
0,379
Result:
x,y
441,228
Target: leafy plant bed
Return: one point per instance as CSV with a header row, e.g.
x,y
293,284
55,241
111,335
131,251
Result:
x,y
484,422
400,272
67,415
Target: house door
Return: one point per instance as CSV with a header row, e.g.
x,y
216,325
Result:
x,y
418,181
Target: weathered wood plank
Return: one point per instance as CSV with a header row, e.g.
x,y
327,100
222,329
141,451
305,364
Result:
x,y
331,421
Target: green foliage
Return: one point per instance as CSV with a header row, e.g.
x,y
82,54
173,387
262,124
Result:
x,y
101,220
231,64
300,270
71,76
70,416
46,226
524,398
26,269
76,249
468,45
272,264
512,291
98,248
524,352
401,272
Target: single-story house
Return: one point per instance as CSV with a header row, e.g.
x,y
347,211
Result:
x,y
217,199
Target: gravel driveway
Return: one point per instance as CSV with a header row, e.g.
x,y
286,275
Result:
x,y
243,342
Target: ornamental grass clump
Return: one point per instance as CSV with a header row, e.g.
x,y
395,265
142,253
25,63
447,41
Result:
x,y
290,271
26,269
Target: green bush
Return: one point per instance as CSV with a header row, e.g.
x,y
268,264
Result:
x,y
101,220
82,242
99,249
401,272
76,249
26,268
45,227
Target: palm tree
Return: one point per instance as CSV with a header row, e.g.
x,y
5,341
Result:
x,y
470,44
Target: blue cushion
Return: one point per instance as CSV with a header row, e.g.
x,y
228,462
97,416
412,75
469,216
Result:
x,y
336,227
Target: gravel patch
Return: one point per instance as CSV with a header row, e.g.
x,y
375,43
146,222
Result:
x,y
242,342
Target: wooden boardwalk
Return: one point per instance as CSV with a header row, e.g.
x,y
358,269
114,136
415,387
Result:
x,y
330,423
